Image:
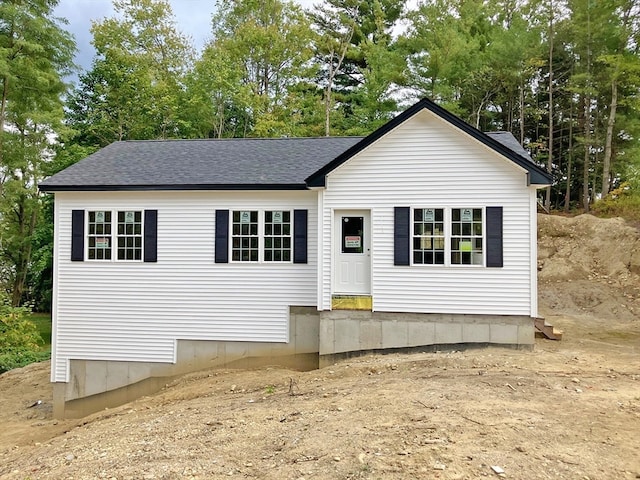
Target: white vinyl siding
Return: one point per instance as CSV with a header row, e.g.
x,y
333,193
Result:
x,y
135,311
427,162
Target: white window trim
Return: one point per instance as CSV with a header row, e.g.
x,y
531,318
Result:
x,y
448,235
114,235
261,236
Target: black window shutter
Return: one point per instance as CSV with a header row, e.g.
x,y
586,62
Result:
x,y
300,236
150,235
77,235
494,237
222,236
401,224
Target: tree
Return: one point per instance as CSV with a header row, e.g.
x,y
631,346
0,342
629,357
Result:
x,y
334,38
266,47
214,96
135,87
475,58
35,52
361,63
621,64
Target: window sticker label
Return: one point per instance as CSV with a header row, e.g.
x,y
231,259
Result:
x,y
102,242
466,215
276,217
245,217
352,241
429,215
129,217
99,217
465,246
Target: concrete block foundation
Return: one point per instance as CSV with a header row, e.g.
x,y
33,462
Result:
x,y
347,334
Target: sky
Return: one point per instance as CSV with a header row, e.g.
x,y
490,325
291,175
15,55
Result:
x,y
193,18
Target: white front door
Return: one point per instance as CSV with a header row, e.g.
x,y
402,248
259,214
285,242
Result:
x,y
352,250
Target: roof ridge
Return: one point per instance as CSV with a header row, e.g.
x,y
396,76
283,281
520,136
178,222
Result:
x,y
243,139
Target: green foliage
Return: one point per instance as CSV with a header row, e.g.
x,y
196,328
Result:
x,y
623,201
44,325
19,338
134,89
497,64
35,52
361,65
259,55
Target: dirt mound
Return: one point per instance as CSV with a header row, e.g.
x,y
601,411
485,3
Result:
x,y
588,265
585,246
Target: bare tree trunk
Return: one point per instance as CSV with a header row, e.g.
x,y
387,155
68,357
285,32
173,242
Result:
x,y
3,106
3,109
5,98
547,198
522,113
567,193
328,100
587,120
587,153
608,146
22,265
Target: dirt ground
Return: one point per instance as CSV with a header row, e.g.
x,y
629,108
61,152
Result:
x,y
569,409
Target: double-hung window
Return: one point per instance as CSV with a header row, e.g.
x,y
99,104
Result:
x,y
127,226
130,235
277,236
261,236
447,236
428,236
99,236
244,236
466,236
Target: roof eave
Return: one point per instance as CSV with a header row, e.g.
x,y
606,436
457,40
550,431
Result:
x,y
169,187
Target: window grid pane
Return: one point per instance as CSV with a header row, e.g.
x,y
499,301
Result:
x,y
466,236
129,229
277,236
244,236
99,236
428,236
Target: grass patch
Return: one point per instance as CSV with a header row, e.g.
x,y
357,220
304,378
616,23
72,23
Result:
x,y
42,322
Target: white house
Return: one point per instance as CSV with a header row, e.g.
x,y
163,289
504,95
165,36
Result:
x,y
172,256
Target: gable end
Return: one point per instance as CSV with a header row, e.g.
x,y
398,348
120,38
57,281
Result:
x,y
535,174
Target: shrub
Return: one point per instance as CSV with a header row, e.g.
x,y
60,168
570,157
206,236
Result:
x,y
623,201
19,338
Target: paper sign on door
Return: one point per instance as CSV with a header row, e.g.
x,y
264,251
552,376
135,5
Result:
x,y
352,241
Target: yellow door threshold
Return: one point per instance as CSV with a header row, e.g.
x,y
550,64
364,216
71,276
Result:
x,y
351,302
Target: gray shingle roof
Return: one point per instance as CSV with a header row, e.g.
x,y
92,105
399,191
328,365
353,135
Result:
x,y
201,164
271,163
508,140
